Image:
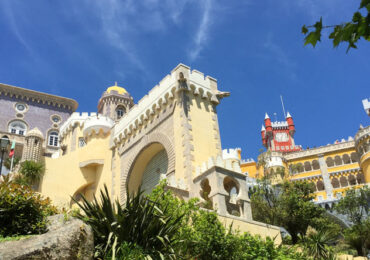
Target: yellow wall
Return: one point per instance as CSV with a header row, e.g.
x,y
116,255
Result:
x,y
251,168
63,176
253,227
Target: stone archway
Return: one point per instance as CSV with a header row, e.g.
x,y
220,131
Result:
x,y
149,146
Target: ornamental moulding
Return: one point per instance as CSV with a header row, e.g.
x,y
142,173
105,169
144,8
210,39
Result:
x,y
320,150
39,97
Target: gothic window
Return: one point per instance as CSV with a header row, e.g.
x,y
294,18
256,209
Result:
x,y
338,160
354,157
346,159
315,165
360,178
335,183
53,139
352,180
330,162
120,111
17,127
307,166
320,185
343,181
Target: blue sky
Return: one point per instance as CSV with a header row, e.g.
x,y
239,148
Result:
x,y
254,48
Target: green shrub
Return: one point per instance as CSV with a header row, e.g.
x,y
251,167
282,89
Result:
x,y
202,235
22,211
139,222
32,171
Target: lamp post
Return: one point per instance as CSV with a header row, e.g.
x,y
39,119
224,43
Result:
x,y
4,142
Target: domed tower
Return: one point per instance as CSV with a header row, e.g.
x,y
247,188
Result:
x,y
32,150
115,102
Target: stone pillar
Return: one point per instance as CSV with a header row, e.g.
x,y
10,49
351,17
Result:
x,y
218,193
325,176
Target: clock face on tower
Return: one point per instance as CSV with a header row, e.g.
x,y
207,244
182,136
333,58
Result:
x,y
281,137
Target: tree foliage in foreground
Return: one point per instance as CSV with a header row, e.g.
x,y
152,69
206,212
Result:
x,y
350,32
162,225
288,205
356,205
22,211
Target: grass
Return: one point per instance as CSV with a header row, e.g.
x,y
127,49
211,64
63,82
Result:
x,y
15,238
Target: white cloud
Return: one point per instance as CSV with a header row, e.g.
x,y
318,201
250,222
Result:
x,y
203,30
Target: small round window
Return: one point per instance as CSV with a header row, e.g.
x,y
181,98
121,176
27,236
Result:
x,y
55,119
20,107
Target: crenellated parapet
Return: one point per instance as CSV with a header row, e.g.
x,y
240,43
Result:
x,y
231,153
220,162
90,122
96,124
164,93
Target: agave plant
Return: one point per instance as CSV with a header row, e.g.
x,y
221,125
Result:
x,y
317,243
139,222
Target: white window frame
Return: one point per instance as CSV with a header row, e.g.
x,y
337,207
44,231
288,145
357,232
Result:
x,y
53,139
17,127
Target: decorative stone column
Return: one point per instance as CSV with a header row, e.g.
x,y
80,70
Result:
x,y
33,147
325,176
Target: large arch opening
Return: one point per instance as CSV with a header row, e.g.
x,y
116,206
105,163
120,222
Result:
x,y
150,165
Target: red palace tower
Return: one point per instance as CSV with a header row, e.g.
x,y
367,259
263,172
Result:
x,y
279,136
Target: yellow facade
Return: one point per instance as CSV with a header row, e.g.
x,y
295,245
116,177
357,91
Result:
x,y
177,116
333,168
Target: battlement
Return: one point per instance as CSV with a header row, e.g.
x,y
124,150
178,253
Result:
x,y
248,160
231,153
366,104
279,124
219,162
160,95
80,119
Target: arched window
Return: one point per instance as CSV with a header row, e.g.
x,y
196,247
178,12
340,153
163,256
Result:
x,y
352,180
354,157
53,139
315,165
120,111
346,159
335,183
360,178
338,160
343,181
17,127
307,166
329,162
320,185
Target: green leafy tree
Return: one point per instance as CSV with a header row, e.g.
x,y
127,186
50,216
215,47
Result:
x,y
350,32
31,171
356,205
8,162
288,205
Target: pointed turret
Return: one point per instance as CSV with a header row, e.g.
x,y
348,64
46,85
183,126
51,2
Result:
x,y
290,122
263,134
268,124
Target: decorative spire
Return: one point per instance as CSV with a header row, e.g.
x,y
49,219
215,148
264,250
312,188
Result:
x,y
115,83
263,128
267,116
288,115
